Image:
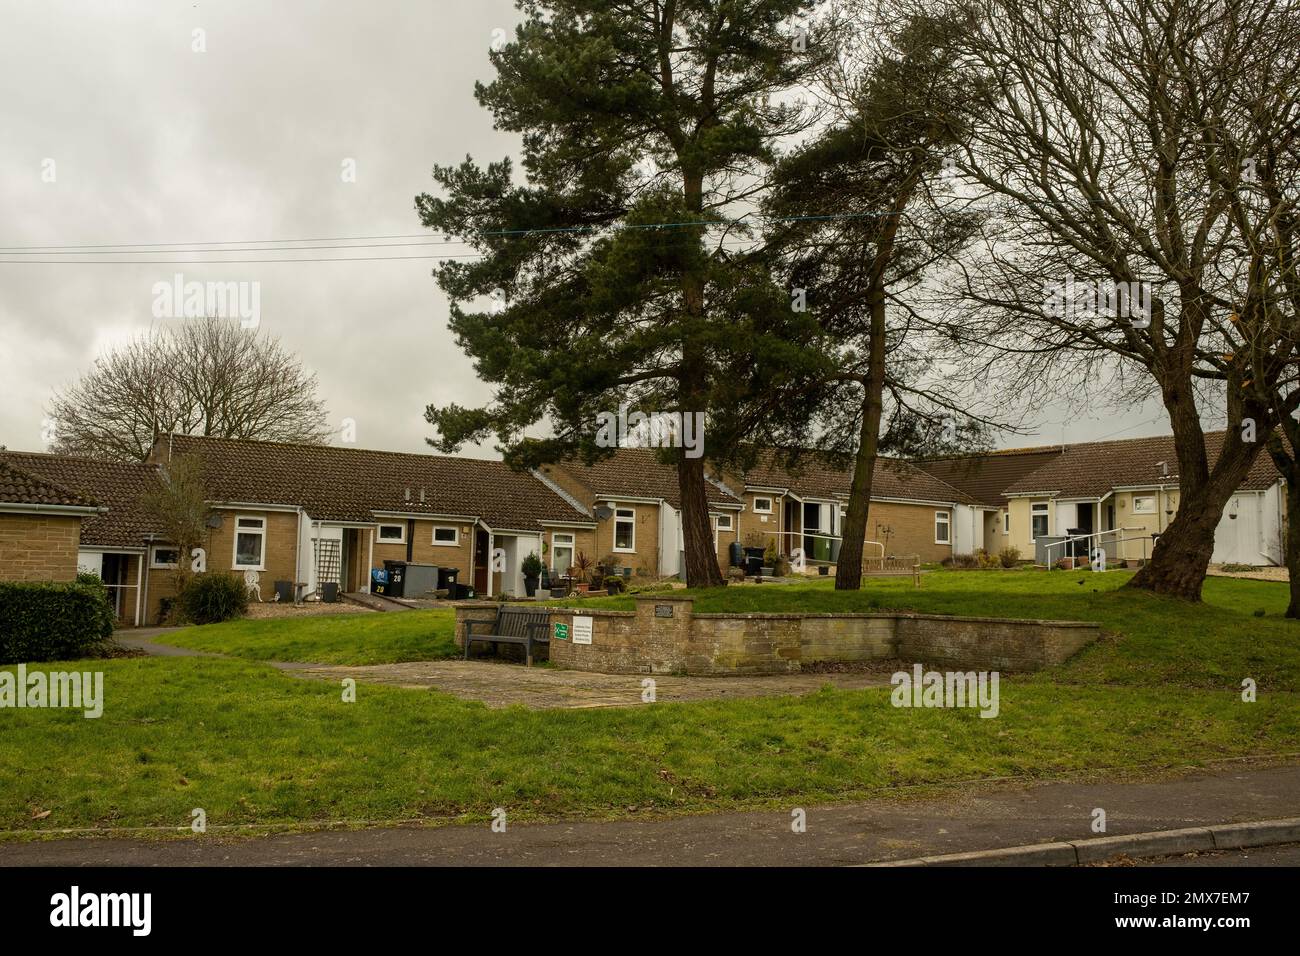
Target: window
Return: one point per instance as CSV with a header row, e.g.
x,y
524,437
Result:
x,y
392,533
1144,504
561,553
1038,520
164,557
624,529
942,527
250,543
721,523
1006,522
763,506
446,535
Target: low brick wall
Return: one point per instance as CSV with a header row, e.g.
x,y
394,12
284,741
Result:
x,y
664,636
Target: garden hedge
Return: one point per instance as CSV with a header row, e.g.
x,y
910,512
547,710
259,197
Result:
x,y
40,621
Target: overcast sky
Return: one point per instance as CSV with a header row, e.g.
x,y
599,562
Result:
x,y
153,142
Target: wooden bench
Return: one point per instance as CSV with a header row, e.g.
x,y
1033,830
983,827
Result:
x,y
512,625
909,564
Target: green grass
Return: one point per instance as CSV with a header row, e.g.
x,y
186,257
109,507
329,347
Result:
x,y
328,639
251,745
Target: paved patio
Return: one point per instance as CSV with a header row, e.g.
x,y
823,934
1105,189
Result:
x,y
545,688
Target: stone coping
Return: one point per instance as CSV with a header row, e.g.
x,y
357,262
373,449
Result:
x,y
909,615
787,615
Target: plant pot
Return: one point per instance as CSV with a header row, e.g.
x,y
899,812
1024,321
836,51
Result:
x,y
582,588
559,593
530,584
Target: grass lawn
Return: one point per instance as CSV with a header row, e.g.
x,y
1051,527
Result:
x,y
328,639
249,744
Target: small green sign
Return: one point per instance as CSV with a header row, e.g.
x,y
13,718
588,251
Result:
x,y
561,631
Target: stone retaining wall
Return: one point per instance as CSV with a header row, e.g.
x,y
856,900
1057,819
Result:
x,y
664,636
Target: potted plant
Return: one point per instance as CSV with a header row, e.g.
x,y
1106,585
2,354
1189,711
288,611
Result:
x,y
581,572
532,568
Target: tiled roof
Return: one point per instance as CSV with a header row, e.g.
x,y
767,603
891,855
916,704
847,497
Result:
x,y
814,476
637,473
24,488
118,486
986,476
1091,469
351,484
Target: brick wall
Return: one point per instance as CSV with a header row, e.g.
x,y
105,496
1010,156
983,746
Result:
x,y
39,547
913,527
665,636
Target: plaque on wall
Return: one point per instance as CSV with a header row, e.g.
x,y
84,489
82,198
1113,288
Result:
x,y
663,610
581,630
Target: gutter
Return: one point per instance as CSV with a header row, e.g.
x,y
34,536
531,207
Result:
x,y
88,511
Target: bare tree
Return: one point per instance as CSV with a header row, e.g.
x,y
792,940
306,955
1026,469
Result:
x,y
198,377
180,504
1134,151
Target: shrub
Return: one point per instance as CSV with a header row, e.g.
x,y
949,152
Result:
x,y
961,562
985,559
531,565
613,584
1009,557
40,621
213,598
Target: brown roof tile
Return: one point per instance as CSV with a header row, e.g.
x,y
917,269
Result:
x,y
985,477
118,486
352,484
814,476
637,473
24,488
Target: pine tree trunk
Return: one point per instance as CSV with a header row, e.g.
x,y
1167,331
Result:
x,y
848,571
701,569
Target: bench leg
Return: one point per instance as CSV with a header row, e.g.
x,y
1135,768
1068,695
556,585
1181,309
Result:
x,y
528,653
467,642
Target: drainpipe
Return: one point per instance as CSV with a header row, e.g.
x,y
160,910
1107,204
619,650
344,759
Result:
x,y
139,586
490,570
297,553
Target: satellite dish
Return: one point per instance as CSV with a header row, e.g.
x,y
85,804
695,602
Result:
x,y
214,521
604,512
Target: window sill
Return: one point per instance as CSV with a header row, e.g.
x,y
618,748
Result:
x,y
624,551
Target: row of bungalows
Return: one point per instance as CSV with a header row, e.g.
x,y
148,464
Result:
x,y
315,514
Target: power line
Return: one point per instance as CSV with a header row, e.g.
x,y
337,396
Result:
x,y
164,247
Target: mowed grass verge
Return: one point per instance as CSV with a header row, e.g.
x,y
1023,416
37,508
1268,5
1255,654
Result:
x,y
363,638
251,745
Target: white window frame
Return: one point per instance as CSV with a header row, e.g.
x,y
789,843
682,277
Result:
x,y
1144,511
1046,513
628,515
571,545
261,550
763,511
157,565
943,518
718,528
454,529
379,534
1006,522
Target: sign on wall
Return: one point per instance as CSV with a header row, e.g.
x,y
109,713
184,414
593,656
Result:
x,y
561,631
582,630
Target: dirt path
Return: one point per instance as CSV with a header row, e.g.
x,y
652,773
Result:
x,y
544,688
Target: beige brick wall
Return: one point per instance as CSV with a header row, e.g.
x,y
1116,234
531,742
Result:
x,y
912,526
424,551
38,547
